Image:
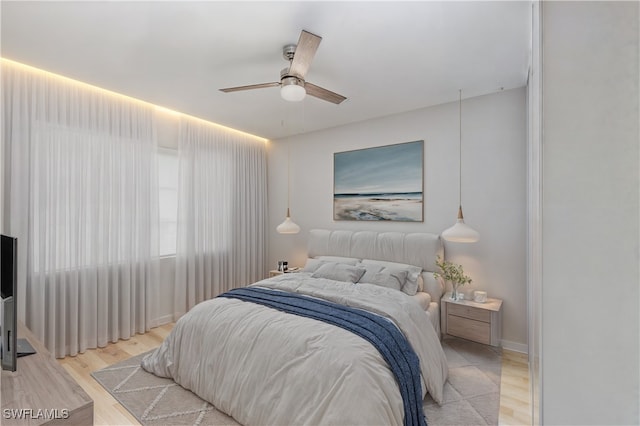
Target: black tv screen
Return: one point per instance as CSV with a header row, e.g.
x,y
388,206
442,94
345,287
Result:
x,y
7,273
8,287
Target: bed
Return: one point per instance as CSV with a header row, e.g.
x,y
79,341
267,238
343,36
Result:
x,y
320,346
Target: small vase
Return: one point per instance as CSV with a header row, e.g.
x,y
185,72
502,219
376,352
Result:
x,y
455,294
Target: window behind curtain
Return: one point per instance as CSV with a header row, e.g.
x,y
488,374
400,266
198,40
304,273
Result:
x,y
168,200
83,196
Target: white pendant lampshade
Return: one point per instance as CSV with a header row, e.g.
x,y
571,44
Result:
x,y
460,232
292,89
288,226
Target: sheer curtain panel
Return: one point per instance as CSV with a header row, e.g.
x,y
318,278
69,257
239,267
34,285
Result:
x,y
82,192
222,211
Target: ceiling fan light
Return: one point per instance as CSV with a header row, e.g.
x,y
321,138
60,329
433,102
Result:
x,y
292,90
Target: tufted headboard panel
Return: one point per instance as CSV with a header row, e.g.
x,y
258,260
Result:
x,y
419,249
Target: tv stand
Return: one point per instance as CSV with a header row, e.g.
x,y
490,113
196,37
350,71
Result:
x,y
41,391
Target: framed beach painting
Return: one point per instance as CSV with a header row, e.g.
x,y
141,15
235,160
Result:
x,y
381,183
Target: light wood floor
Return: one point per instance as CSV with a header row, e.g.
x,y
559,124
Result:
x,y
514,387
514,390
106,410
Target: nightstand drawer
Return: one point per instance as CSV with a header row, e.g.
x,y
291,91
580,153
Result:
x,y
470,312
477,331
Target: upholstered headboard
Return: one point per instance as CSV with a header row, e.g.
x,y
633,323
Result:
x,y
419,249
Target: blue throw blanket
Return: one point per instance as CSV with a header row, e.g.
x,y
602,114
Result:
x,y
382,334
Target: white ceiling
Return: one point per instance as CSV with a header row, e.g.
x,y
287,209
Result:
x,y
385,57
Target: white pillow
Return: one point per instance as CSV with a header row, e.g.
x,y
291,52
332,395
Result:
x,y
410,287
339,272
389,278
312,265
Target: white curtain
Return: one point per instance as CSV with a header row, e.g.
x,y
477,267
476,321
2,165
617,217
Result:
x,y
83,203
222,210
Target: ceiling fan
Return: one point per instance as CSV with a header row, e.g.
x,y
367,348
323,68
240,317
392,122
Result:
x,y
293,86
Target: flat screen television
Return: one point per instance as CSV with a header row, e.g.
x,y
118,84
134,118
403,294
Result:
x,y
9,292
10,346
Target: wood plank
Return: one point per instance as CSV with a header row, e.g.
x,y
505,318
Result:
x,y
515,399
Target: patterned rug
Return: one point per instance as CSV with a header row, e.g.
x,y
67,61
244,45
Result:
x,y
472,393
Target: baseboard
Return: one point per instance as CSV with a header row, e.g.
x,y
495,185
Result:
x,y
162,320
514,346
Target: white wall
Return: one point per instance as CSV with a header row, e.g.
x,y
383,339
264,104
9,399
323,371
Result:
x,y
493,193
590,276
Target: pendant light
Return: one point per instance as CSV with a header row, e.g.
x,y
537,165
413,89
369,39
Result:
x,y
288,226
460,232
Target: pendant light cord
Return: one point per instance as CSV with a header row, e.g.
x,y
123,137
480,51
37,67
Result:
x,y
460,149
460,232
288,177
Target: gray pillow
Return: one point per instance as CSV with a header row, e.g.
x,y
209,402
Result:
x,y
413,272
371,270
339,272
388,278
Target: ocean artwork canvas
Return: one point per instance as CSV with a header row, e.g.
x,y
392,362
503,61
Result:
x,y
381,183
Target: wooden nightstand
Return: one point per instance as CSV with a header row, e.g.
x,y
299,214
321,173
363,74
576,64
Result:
x,y
480,322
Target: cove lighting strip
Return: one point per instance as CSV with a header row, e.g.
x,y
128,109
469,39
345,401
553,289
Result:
x,y
129,98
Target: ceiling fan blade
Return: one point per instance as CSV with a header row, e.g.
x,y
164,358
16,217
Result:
x,y
305,51
324,94
250,87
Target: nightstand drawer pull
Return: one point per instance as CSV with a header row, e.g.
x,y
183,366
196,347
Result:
x,y
470,312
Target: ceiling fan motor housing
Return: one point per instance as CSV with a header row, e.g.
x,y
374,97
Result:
x,y
288,79
288,52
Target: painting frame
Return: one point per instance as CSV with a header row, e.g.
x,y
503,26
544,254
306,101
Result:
x,y
382,183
